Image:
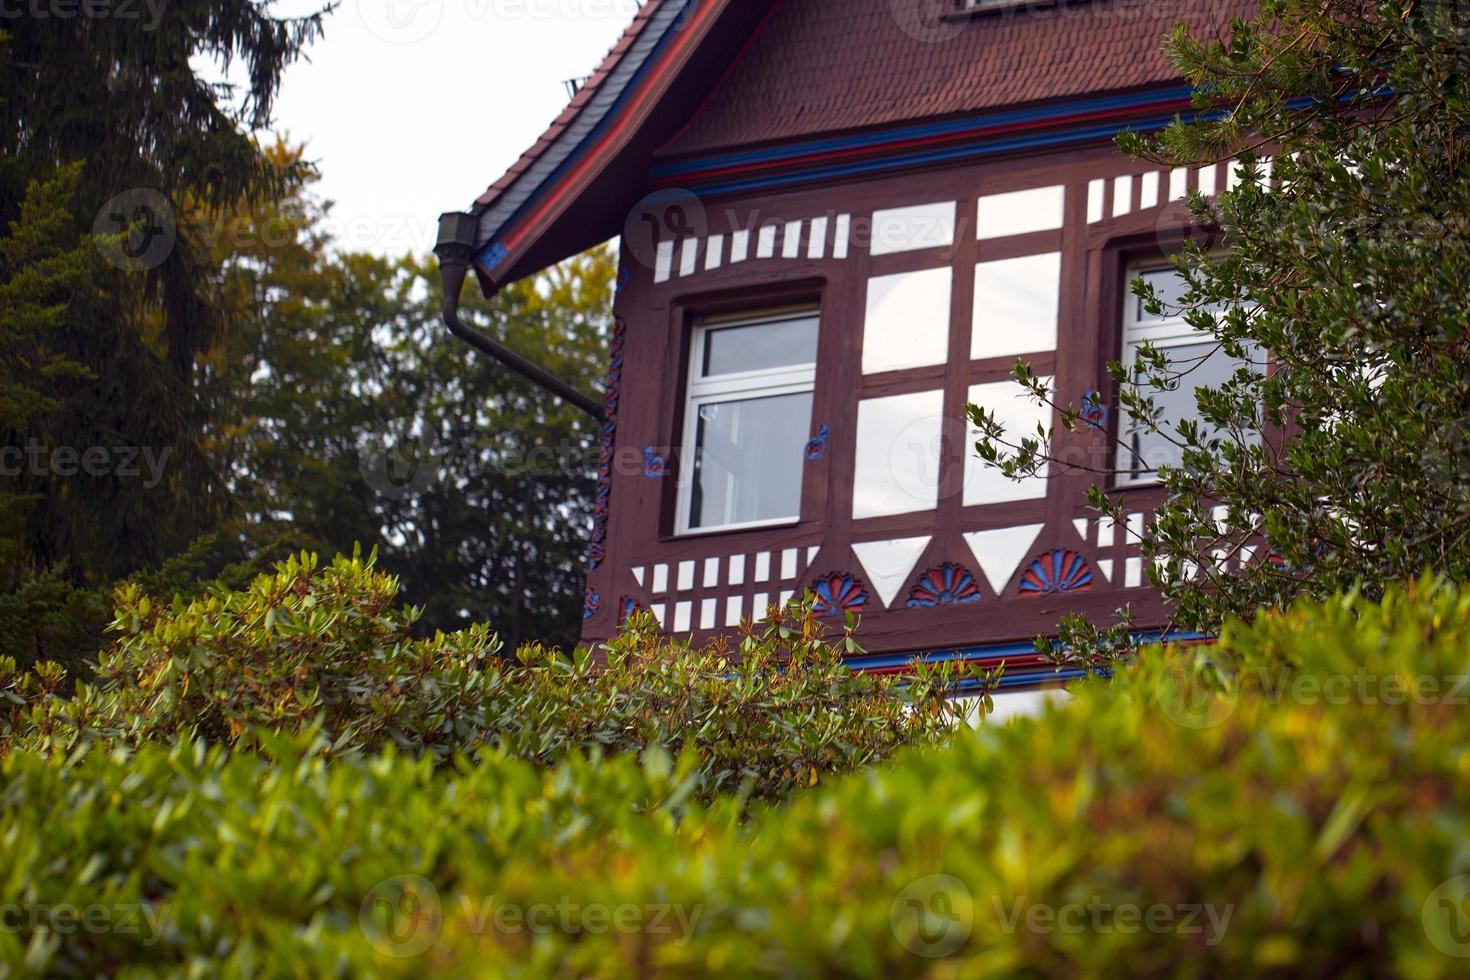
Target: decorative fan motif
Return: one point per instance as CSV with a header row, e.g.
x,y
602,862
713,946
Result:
x,y
816,448
944,584
837,593
1094,412
1057,572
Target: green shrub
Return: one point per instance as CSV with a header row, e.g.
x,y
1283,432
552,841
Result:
x,y
1264,817
326,648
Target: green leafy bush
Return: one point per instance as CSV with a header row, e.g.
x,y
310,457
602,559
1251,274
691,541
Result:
x,y
326,648
1293,801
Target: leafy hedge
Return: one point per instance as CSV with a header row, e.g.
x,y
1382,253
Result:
x,y
327,649
1293,801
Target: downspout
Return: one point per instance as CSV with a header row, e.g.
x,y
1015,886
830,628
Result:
x,y
455,248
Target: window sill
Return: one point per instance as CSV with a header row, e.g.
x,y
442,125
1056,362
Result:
x,y
709,532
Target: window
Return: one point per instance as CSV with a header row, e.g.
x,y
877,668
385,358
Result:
x,y
747,419
1193,355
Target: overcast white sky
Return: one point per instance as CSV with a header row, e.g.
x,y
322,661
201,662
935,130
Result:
x,y
412,107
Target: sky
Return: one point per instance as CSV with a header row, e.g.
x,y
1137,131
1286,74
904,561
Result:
x,y
413,107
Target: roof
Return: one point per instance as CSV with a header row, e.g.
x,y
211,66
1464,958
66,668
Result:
x,y
691,78
833,65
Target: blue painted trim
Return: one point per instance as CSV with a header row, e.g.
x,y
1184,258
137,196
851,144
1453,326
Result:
x,y
967,152
1057,111
993,653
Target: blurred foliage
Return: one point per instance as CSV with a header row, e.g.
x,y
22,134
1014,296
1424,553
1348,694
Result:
x,y
328,649
1292,801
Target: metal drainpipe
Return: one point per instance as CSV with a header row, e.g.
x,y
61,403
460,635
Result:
x,y
455,248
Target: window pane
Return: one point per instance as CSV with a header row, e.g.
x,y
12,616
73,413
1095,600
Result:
x,y
748,460
1150,450
1169,287
760,346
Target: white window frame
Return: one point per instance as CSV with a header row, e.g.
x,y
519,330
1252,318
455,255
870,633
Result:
x,y
1165,333
743,386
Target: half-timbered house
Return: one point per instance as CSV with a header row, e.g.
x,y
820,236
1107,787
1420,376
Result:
x,y
840,222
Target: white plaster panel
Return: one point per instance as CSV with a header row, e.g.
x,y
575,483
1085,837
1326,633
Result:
x,y
1133,573
1020,212
842,236
907,229
791,244
1016,305
1148,190
1001,551
1207,179
1178,184
663,261
816,247
1019,415
899,440
890,564
907,320
765,246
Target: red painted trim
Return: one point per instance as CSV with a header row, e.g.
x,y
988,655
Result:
x,y
879,150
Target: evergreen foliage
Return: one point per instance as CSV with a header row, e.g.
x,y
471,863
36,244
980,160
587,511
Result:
x,y
1343,464
1291,802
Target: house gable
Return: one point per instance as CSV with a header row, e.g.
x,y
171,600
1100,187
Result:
x,y
723,96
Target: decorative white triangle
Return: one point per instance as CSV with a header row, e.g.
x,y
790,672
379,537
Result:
x,y
1105,565
1080,524
811,554
1000,552
890,563
638,575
